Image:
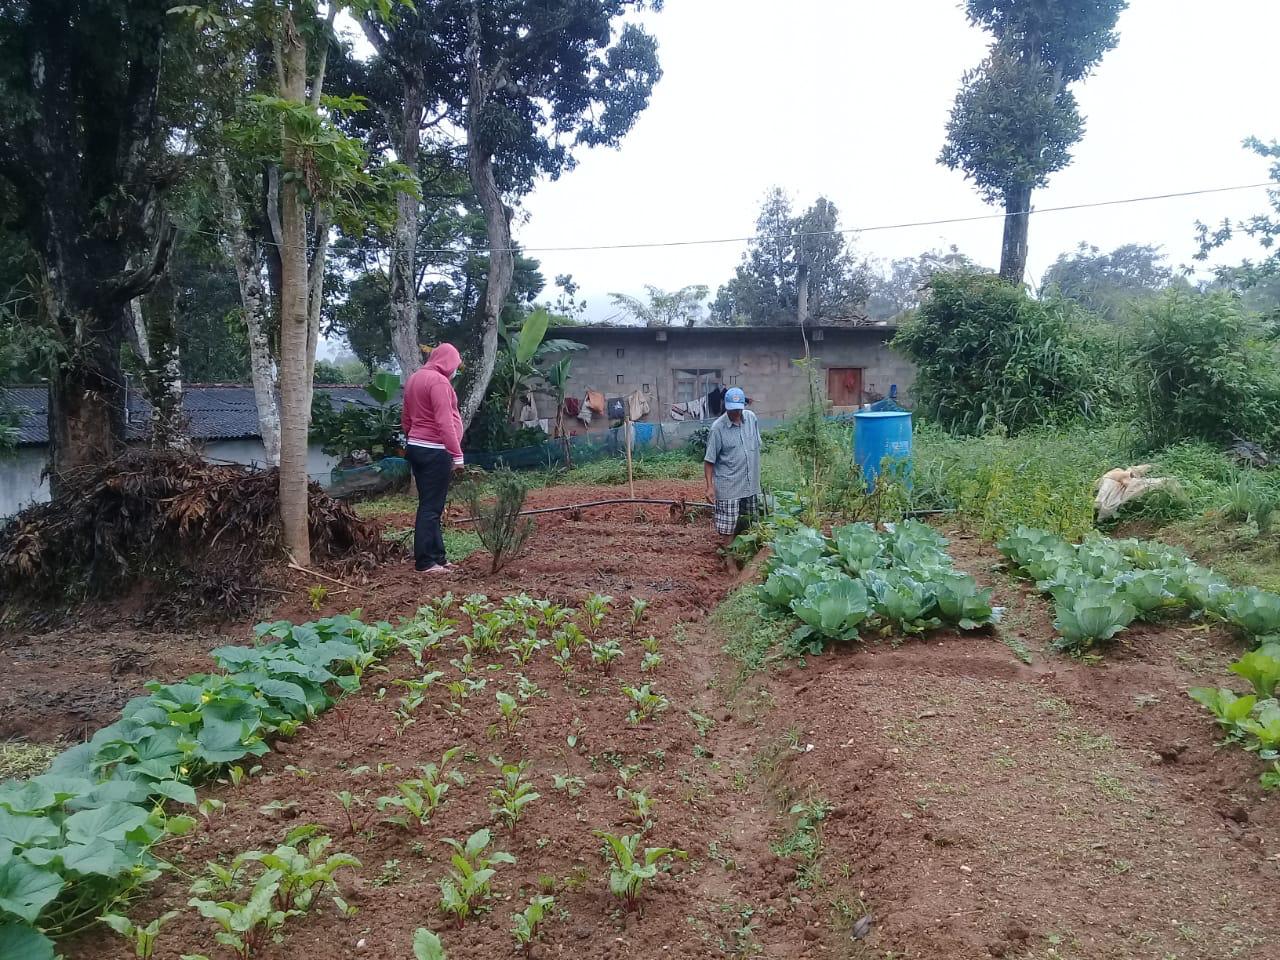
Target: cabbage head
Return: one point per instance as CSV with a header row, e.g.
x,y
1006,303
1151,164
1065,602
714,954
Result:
x,y
961,602
858,547
1254,611
785,584
804,545
903,601
1093,613
831,610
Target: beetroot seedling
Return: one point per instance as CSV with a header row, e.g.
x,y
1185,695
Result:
x,y
631,866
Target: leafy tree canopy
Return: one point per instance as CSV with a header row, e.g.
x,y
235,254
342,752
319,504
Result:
x,y
679,308
764,288
1107,284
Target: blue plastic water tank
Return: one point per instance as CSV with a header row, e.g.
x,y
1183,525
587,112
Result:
x,y
879,435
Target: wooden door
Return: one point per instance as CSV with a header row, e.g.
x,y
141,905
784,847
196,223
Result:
x,y
844,386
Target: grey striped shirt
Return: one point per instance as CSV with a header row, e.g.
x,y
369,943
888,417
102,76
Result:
x,y
733,450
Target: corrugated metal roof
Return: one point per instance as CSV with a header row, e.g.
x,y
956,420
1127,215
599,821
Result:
x,y
213,411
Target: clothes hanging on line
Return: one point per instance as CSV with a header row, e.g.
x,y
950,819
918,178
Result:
x,y
615,408
571,406
715,401
637,406
595,400
528,409
693,410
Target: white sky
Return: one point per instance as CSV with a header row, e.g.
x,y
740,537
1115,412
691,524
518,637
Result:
x,y
849,98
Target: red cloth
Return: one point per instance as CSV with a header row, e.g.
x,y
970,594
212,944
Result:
x,y
572,405
430,413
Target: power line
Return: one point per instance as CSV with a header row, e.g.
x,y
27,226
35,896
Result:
x,y
876,228
855,230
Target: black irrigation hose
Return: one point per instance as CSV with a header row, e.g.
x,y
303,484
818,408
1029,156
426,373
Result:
x,y
600,503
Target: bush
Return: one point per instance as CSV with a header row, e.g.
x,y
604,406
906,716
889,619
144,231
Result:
x,y
496,507
990,357
1043,478
1201,370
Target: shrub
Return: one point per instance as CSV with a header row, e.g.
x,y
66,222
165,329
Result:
x,y
1201,371
988,356
501,529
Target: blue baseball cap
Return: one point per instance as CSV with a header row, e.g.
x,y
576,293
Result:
x,y
735,399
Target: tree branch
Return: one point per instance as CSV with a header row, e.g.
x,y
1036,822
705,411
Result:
x,y
317,87
131,285
273,205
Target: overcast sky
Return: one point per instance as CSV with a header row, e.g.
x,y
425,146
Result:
x,y
849,99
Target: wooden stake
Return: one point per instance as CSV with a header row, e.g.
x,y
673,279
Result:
x,y
631,480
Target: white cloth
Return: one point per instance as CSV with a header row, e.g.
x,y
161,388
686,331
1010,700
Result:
x,y
1117,487
693,410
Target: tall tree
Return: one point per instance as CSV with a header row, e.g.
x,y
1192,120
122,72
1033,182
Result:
x,y
83,144
1252,274
679,308
765,289
406,89
524,82
316,176
1015,119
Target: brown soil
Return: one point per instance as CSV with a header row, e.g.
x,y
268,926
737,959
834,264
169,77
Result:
x,y
981,806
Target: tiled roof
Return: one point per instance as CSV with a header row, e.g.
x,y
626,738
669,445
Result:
x,y
213,412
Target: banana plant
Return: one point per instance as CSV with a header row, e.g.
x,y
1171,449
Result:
x,y
522,351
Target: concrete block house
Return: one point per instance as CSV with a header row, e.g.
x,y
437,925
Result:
x,y
673,366
222,421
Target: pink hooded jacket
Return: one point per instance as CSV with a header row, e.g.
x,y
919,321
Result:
x,y
430,415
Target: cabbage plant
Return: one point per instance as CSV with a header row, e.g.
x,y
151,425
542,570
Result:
x,y
787,583
1227,707
1254,611
1146,590
903,601
961,602
830,610
1091,614
1261,668
858,547
804,545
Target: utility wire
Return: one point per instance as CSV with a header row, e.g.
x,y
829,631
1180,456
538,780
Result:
x,y
876,228
854,230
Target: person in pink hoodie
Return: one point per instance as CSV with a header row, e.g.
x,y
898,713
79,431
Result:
x,y
433,432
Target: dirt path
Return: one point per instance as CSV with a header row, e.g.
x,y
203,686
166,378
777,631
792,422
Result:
x,y
973,796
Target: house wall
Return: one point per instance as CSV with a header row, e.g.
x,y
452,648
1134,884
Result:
x,y
21,483
761,362
251,452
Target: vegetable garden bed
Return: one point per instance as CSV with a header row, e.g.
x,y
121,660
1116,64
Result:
x,y
958,793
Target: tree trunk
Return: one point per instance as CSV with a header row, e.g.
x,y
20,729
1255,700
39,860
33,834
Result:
x,y
295,314
87,393
404,241
153,335
247,256
802,294
497,222
1017,214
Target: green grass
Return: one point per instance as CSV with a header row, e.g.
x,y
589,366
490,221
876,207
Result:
x,y
750,637
666,465
383,506
20,760
458,544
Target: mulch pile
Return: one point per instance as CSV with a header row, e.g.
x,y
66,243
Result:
x,y
186,530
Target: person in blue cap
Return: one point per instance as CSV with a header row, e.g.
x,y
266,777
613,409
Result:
x,y
732,466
